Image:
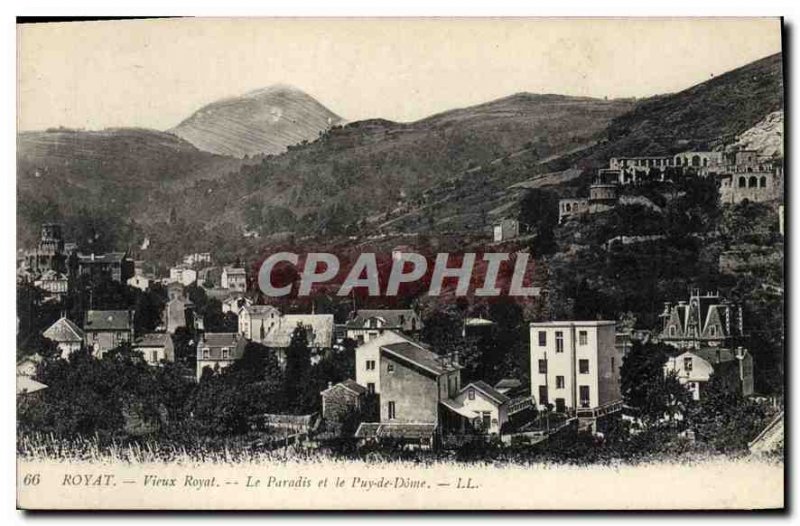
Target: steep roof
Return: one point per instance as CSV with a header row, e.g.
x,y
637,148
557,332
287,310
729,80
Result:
x,y
489,391
415,354
350,385
64,330
216,341
260,310
233,270
319,329
393,318
108,320
27,385
152,339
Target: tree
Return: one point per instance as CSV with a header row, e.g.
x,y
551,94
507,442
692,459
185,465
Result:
x,y
298,366
726,419
539,212
645,387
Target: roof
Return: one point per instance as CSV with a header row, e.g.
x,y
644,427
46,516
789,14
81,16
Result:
x,y
411,431
417,355
152,339
477,322
111,257
233,270
319,329
27,385
52,275
393,318
716,355
108,320
260,310
216,341
566,323
508,383
350,385
489,391
64,330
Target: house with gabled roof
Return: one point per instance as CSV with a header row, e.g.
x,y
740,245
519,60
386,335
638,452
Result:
x,y
255,321
705,320
367,324
694,368
107,329
340,399
156,347
67,336
483,408
217,350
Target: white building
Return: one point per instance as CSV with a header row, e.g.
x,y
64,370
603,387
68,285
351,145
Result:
x,y
217,350
140,282
575,366
482,405
184,276
367,324
255,321
368,359
694,368
67,335
234,278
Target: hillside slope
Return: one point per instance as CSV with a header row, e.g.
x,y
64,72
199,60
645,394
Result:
x,y
264,121
61,171
369,168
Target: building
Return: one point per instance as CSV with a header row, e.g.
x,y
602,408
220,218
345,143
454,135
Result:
x,y
183,275
482,407
67,335
575,367
368,357
505,230
140,282
235,303
255,321
234,278
694,368
341,400
156,347
318,328
603,196
572,207
178,312
54,283
197,258
114,265
366,324
632,170
50,253
217,350
107,329
706,320
755,186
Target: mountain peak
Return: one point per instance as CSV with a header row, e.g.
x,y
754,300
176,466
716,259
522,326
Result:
x,y
262,121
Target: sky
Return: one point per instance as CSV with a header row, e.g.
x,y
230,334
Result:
x,y
155,73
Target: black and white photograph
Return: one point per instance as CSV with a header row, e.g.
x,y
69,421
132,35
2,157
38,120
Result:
x,y
400,264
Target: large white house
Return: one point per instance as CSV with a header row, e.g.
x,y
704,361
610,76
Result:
x,y
693,369
368,359
575,366
256,321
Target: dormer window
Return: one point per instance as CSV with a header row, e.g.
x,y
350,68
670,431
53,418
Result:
x,y
687,364
712,331
471,394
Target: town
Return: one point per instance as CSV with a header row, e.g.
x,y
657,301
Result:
x,y
397,378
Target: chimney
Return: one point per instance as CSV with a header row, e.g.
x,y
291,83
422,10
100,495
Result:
x,y
330,384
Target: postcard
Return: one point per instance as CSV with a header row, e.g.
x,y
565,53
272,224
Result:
x,y
400,264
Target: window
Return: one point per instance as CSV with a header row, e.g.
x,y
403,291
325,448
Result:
x,y
583,366
486,418
389,367
583,337
225,353
543,366
391,414
402,320
687,363
712,331
762,182
371,388
672,330
155,356
742,182
471,394
206,353
370,365
584,395
752,182
559,382
560,405
543,400
613,364
559,341
542,338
